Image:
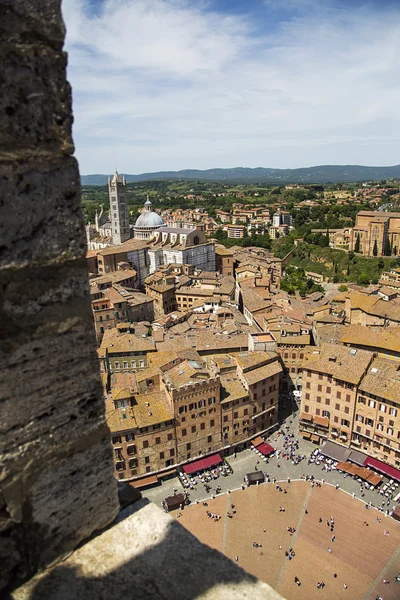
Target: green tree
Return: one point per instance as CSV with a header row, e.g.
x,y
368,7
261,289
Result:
x,y
343,288
357,245
375,249
363,279
220,234
387,249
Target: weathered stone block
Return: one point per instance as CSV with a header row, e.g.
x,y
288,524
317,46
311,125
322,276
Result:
x,y
36,111
32,19
147,556
56,467
40,216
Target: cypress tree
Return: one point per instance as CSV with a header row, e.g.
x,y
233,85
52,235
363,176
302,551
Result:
x,y
357,245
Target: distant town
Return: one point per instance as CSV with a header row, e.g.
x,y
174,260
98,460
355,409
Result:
x,y
210,316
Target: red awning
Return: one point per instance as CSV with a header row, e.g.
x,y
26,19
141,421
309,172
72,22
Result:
x,y
265,449
382,467
203,463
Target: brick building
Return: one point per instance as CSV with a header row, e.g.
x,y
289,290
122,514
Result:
x,y
380,227
331,376
376,427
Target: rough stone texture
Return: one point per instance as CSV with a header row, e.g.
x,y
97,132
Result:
x,y
146,556
56,469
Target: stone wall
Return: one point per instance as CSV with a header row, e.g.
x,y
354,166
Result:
x,y
56,484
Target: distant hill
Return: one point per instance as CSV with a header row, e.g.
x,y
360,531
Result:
x,y
321,174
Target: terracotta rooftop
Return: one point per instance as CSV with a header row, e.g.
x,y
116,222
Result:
x,y
187,372
341,362
379,338
117,342
256,375
383,380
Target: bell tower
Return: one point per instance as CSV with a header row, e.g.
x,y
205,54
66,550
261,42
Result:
x,y
118,209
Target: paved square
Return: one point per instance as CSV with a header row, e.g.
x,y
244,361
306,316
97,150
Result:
x,y
362,556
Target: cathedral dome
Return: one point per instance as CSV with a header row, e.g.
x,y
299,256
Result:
x,y
149,219
148,222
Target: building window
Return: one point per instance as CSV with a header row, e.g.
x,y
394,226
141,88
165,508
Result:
x,y
209,439
360,418
338,395
393,412
193,428
337,406
158,440
318,398
116,365
161,455
308,385
320,388
306,408
129,437
183,432
172,452
346,410
148,469
371,403
131,450
307,396
382,407
328,390
146,460
336,419
212,423
116,439
145,443
202,426
211,400
125,365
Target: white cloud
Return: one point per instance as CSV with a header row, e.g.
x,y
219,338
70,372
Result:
x,y
169,84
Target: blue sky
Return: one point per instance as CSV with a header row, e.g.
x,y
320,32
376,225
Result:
x,y
175,84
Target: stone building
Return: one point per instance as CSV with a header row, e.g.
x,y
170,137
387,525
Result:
x,y
123,351
224,260
118,209
193,395
181,246
142,431
380,227
118,305
113,228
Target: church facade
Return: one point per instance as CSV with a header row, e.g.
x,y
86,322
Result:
x,y
181,246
